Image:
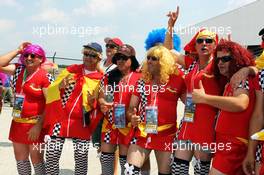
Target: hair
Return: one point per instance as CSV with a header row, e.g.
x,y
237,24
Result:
x,y
115,75
157,36
35,49
166,61
241,57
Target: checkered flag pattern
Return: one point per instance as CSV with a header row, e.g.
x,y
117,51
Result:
x,y
261,79
50,77
67,93
133,141
110,112
56,130
244,85
15,77
143,99
182,69
258,153
107,137
23,167
191,67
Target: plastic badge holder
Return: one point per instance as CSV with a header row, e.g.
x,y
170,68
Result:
x,y
120,115
151,120
189,109
18,105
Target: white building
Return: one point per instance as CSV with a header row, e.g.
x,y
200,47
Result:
x,y
243,23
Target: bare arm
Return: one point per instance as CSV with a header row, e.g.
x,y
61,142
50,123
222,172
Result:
x,y
243,74
237,103
255,125
5,60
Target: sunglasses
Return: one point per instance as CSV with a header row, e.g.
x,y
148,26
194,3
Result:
x,y
224,59
110,46
30,54
90,55
207,40
152,58
262,37
121,57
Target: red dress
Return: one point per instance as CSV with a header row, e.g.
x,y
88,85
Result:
x,y
201,131
111,134
166,102
232,129
34,103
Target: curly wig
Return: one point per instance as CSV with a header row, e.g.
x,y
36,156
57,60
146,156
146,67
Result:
x,y
157,36
166,61
241,57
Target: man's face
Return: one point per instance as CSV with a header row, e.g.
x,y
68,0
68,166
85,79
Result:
x,y
153,64
205,46
223,59
32,60
111,49
90,58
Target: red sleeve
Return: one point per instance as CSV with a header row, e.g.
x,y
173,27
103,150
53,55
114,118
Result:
x,y
136,91
188,61
47,79
256,82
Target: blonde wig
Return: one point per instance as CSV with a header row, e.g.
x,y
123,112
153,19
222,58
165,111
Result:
x,y
166,61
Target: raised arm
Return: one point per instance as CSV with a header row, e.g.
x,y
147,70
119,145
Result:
x,y
168,43
5,60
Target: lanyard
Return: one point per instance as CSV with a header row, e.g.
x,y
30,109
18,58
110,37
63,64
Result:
x,y
121,89
194,75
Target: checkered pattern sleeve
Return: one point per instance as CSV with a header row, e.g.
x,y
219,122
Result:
x,y
244,85
261,79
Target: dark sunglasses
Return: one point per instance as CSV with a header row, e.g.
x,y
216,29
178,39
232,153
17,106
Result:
x,y
30,54
152,58
262,37
110,46
90,55
121,57
224,59
207,40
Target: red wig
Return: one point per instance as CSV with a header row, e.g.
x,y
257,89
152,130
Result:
x,y
241,57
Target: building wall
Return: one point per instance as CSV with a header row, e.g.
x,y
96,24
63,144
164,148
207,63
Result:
x,y
243,23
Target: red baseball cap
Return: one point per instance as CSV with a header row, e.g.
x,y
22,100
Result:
x,y
117,41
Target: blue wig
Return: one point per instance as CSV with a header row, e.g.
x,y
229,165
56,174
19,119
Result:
x,y
158,36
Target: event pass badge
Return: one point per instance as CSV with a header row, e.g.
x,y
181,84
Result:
x,y
151,120
189,109
120,115
18,105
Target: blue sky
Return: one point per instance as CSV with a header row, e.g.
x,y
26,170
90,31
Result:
x,y
64,26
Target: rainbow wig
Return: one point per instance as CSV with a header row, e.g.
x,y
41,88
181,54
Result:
x,y
32,49
157,36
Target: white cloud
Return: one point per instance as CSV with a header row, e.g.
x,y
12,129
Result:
x,y
8,3
6,25
11,3
96,7
51,15
233,4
